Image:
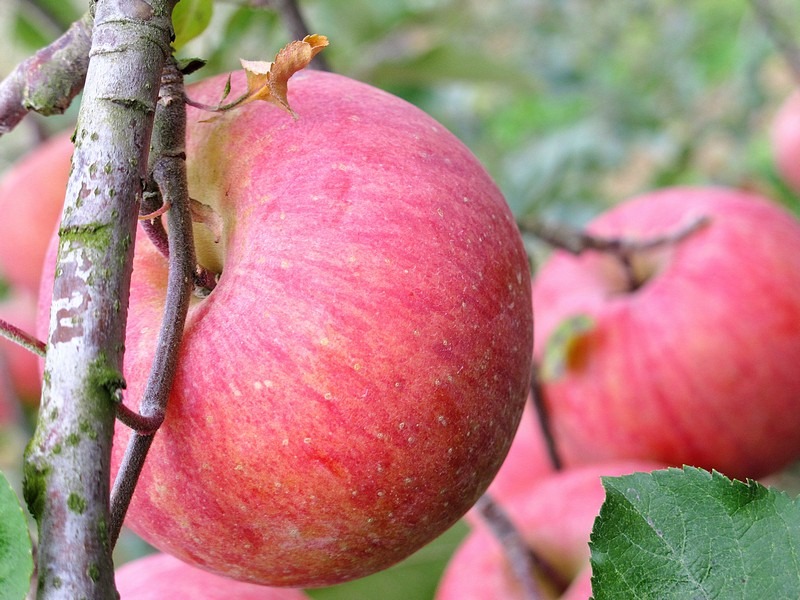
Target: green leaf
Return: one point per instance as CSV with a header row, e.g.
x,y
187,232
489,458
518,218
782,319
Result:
x,y
190,18
688,533
16,555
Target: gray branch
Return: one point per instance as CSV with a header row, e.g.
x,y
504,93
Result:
x,y
49,80
67,464
168,168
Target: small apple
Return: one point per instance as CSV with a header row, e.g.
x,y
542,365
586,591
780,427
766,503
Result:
x,y
555,518
785,138
164,577
31,196
353,383
694,360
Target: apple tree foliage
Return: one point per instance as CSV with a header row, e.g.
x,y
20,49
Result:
x,y
16,556
688,533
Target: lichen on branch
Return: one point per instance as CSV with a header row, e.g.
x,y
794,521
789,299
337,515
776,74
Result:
x,y
48,81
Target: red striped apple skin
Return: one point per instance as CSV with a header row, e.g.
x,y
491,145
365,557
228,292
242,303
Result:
x,y
353,383
698,365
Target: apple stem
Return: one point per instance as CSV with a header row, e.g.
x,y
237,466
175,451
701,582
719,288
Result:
x,y
522,558
27,341
783,39
168,176
537,398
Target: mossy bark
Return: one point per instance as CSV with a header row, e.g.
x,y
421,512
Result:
x,y
67,467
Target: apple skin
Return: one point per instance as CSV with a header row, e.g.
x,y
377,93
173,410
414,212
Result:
x,y
18,308
526,463
31,197
555,518
164,577
785,139
699,365
353,383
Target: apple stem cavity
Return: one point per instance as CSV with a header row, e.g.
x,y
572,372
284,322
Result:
x,y
168,180
577,241
524,562
18,336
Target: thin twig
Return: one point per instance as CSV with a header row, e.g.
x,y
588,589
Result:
x,y
168,165
26,340
540,407
522,559
577,241
48,81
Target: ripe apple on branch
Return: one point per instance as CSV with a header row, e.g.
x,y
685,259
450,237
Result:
x,y
353,382
683,352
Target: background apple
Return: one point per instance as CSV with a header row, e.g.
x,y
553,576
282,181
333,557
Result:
x,y
164,577
18,307
555,518
696,366
353,383
31,196
785,137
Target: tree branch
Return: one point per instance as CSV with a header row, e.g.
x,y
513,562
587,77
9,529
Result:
x,y
168,167
521,557
540,407
67,463
49,80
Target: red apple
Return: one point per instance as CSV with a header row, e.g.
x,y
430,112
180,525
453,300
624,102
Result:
x,y
353,383
18,307
555,518
699,364
785,137
527,462
9,407
31,196
164,577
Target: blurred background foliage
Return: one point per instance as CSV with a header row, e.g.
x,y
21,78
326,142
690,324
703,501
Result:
x,y
572,105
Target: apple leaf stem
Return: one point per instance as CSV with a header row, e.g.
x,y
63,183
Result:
x,y
783,39
48,81
521,557
68,460
26,340
168,168
537,398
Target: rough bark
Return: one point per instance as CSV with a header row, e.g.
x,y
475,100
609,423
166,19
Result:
x,y
49,80
67,462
